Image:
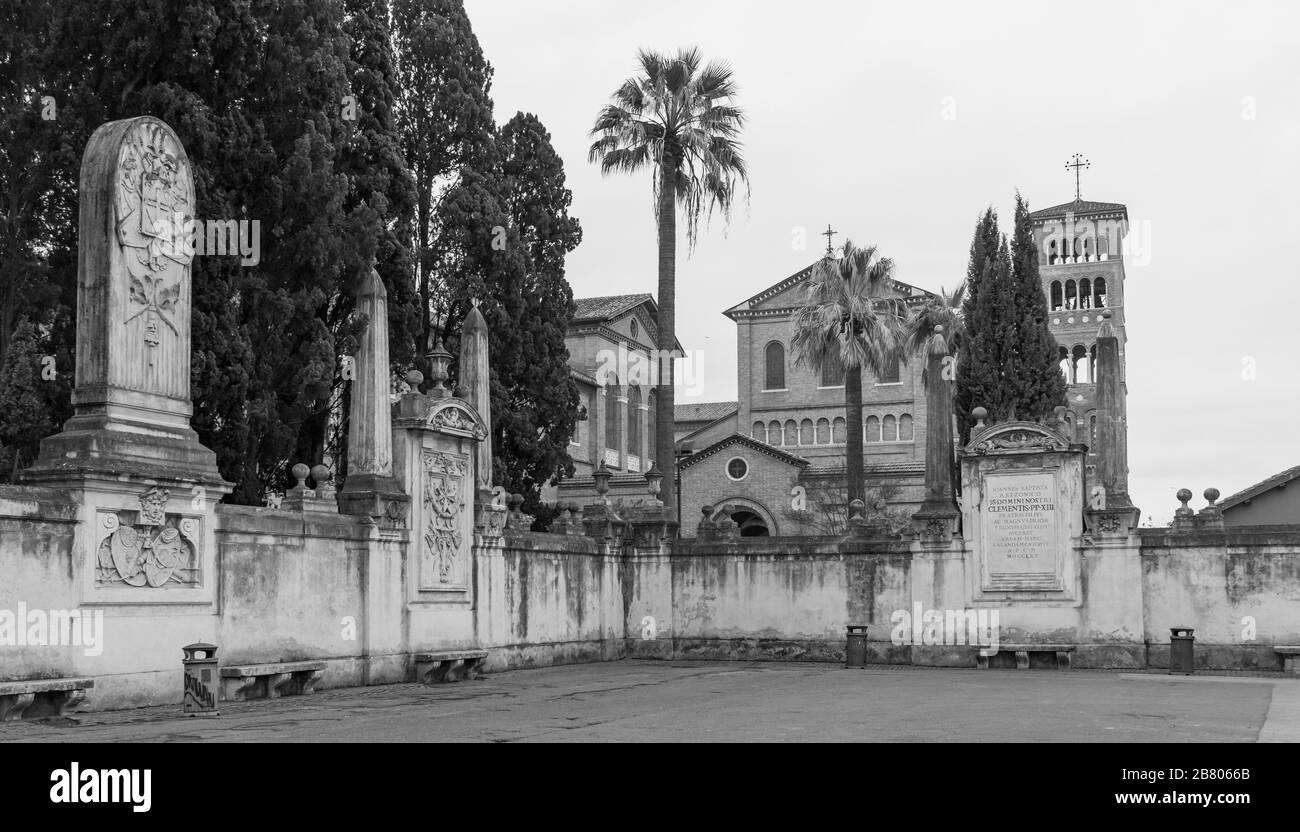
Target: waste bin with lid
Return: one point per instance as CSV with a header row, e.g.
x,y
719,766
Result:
x,y
200,679
856,654
1181,658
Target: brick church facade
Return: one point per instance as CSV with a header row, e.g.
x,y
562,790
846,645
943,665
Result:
x,y
775,455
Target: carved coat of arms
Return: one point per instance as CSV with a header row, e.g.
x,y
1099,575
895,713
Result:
x,y
153,205
443,504
152,551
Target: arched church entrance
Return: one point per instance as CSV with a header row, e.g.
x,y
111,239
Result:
x,y
751,519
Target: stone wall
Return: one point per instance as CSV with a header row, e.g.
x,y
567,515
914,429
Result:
x,y
1239,590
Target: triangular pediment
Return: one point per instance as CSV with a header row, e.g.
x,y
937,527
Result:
x,y
788,294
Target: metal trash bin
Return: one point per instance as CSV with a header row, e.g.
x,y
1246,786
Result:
x,y
856,653
200,698
1181,653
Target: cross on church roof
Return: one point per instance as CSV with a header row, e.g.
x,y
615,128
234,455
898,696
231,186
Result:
x,y
827,234
1076,164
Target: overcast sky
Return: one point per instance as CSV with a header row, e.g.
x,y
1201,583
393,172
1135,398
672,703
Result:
x,y
1189,113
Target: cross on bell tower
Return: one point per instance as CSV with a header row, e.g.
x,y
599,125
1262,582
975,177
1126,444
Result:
x,y
1077,165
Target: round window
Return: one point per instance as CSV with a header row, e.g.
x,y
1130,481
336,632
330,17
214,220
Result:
x,y
737,468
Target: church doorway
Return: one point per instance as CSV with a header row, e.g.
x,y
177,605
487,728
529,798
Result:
x,y
750,524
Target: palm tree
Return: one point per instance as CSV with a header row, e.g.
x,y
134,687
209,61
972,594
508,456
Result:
x,y
846,316
675,117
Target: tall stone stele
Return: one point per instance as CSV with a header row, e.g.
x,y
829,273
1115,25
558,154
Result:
x,y
146,486
131,397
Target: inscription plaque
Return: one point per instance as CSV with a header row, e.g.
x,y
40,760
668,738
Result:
x,y
1022,542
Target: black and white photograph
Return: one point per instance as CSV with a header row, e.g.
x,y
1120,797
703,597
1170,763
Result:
x,y
380,372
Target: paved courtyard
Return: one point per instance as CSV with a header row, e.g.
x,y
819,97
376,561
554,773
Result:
x,y
735,702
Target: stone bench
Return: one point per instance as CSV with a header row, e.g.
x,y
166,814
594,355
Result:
x,y
241,682
37,698
1022,652
1289,655
449,666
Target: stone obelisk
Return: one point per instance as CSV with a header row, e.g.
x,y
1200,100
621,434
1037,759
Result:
x,y
938,514
474,378
131,396
370,486
1110,510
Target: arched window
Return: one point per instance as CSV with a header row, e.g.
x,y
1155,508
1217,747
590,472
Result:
x,y
1053,254
823,431
1064,356
791,432
759,432
634,420
1099,293
775,378
806,432
839,433
833,372
1092,363
1085,294
651,422
905,427
1071,295
611,412
1078,250
774,432
872,426
1079,356
889,429
1056,296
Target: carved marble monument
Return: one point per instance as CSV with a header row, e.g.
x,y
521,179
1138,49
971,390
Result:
x,y
132,390
128,456
1022,501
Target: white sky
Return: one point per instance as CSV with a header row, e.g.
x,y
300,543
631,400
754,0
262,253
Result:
x,y
1189,113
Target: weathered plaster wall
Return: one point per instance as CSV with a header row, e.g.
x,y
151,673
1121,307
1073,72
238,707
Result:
x,y
1239,590
781,598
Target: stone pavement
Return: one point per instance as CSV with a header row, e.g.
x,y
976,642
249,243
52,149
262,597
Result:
x,y
638,700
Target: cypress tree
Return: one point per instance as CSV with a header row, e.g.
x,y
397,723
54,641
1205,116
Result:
x,y
1008,364
1041,384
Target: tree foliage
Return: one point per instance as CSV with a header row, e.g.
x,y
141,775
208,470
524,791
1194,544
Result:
x,y
1008,361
